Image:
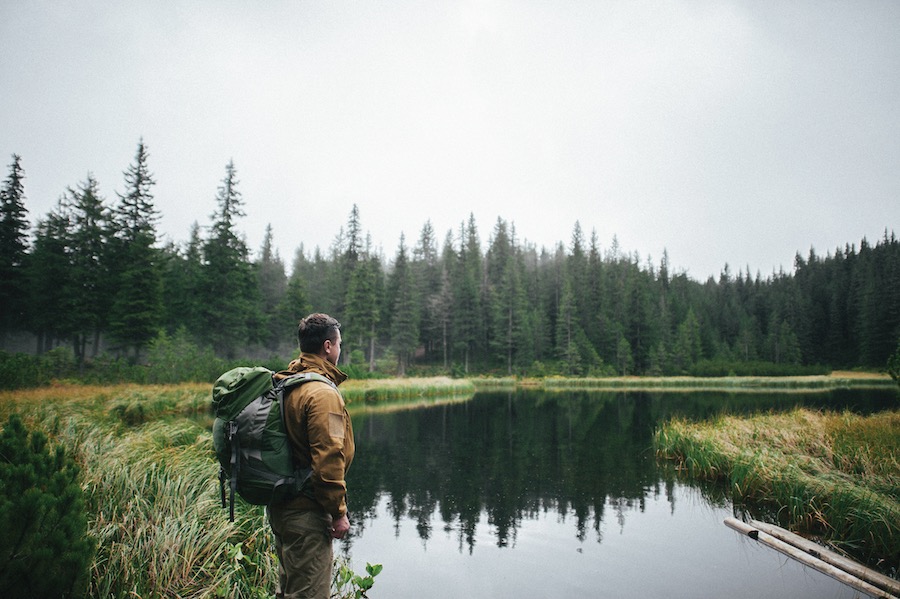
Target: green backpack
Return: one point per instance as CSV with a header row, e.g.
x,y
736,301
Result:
x,y
250,438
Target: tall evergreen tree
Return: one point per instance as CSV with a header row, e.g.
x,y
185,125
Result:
x,y
295,303
405,310
182,282
466,278
567,331
13,248
427,275
688,350
136,312
50,283
89,260
364,298
512,319
229,284
272,282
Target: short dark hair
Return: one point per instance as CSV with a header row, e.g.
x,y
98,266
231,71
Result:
x,y
314,330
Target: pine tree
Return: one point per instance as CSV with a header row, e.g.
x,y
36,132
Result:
x,y
466,277
364,299
51,288
229,285
507,301
136,312
272,282
182,284
687,349
512,319
45,550
89,259
440,306
567,331
13,248
427,275
624,357
295,303
404,310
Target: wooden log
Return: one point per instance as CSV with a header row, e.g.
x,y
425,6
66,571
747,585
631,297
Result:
x,y
830,557
807,559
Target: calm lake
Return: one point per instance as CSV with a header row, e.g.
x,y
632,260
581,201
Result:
x,y
532,494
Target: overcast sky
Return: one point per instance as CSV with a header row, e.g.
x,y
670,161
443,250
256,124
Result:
x,y
722,131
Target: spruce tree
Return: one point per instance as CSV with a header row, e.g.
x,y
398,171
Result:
x,y
272,282
182,272
506,299
295,303
567,331
89,258
404,310
466,278
229,285
13,248
136,312
427,275
51,287
364,302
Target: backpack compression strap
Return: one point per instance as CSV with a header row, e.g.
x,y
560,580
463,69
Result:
x,y
232,436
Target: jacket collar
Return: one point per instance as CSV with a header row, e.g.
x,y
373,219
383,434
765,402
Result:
x,y
308,362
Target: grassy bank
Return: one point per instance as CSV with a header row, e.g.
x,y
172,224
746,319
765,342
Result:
x,y
835,380
829,474
150,482
381,390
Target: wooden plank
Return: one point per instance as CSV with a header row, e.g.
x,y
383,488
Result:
x,y
830,557
808,560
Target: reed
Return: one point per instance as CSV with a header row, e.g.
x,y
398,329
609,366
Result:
x,y
492,383
832,474
152,494
155,512
686,383
381,390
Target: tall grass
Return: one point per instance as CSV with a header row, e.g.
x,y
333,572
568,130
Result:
x,y
151,491
831,474
687,383
380,390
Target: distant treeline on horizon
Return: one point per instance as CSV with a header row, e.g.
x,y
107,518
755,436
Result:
x,y
94,278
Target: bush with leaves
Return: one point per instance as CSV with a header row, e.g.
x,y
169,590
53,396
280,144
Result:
x,y
347,584
44,547
893,364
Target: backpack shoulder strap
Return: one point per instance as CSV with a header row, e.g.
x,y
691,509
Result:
x,y
299,378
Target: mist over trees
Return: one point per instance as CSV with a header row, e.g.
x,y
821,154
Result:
x,y
93,276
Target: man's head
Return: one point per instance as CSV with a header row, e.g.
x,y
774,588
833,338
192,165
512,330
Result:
x,y
320,334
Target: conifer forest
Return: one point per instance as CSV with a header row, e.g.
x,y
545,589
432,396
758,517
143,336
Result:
x,y
93,276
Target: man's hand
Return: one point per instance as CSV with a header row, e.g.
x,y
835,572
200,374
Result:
x,y
340,527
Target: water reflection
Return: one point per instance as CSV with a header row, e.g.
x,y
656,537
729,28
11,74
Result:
x,y
515,456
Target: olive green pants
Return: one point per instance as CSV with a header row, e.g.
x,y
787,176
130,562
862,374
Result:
x,y
305,556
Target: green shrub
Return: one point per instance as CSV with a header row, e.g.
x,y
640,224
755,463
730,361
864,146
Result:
x,y
17,371
893,364
718,368
44,547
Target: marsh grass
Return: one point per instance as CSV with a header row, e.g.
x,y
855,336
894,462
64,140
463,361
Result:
x,y
687,383
152,494
381,390
155,512
831,474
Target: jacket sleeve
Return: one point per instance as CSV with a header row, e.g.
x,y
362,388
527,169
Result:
x,y
326,430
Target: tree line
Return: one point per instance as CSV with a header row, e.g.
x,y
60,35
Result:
x,y
94,276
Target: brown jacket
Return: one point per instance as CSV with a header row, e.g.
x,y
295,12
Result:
x,y
321,434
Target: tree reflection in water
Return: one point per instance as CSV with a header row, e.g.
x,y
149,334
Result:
x,y
514,456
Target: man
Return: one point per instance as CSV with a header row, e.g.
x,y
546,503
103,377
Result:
x,y
321,436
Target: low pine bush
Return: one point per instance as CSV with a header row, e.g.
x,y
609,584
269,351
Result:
x,y
44,547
